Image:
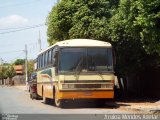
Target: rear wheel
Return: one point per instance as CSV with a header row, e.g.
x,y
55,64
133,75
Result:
x,y
46,100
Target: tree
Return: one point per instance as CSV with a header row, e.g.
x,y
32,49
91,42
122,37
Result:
x,y
80,19
132,26
134,35
7,71
10,72
3,74
19,62
30,66
148,20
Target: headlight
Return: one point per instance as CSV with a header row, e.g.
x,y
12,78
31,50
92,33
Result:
x,y
71,86
65,86
106,86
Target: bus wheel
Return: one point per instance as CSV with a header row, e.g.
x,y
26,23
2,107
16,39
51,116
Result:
x,y
46,100
58,102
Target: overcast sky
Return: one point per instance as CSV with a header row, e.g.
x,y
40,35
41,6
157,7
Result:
x,y
21,14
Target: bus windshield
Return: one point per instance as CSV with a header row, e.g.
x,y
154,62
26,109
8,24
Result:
x,y
86,59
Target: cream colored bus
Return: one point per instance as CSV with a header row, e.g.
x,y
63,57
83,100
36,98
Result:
x,y
76,69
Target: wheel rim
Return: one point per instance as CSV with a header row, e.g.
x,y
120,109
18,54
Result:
x,y
44,100
57,101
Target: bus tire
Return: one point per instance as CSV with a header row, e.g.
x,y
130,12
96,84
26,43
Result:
x,y
59,102
46,100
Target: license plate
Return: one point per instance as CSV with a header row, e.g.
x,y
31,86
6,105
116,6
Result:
x,y
88,93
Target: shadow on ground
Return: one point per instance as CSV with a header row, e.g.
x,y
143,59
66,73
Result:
x,y
77,104
139,100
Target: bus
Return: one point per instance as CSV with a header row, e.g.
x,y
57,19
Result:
x,y
76,69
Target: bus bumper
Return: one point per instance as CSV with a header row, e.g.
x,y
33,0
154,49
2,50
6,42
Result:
x,y
85,94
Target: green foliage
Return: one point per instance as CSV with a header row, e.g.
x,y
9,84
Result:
x,y
148,20
3,72
132,26
90,21
80,19
134,32
10,72
7,71
30,66
19,62
59,21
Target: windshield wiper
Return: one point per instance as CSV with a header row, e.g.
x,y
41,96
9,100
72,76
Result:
x,y
97,70
78,68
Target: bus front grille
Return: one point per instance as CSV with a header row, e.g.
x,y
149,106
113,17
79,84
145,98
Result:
x,y
87,85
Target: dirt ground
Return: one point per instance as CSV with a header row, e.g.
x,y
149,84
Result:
x,y
137,105
141,106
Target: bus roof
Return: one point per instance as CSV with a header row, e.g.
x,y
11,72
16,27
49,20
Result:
x,y
80,43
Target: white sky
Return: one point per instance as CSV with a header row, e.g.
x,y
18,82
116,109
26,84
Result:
x,y
19,14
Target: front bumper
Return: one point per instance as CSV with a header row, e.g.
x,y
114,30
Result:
x,y
84,94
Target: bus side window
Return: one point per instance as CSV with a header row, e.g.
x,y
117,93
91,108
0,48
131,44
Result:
x,y
41,61
37,62
49,57
43,58
46,59
53,52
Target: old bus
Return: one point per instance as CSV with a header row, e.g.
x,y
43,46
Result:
x,y
76,69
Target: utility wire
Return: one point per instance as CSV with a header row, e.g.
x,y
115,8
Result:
x,y
32,27
17,56
19,4
21,27
11,51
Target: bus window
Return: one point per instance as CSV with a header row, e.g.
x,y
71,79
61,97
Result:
x,y
99,59
70,58
49,57
96,59
43,59
46,59
53,53
38,63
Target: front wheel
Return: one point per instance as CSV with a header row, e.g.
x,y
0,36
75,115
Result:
x,y
59,102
